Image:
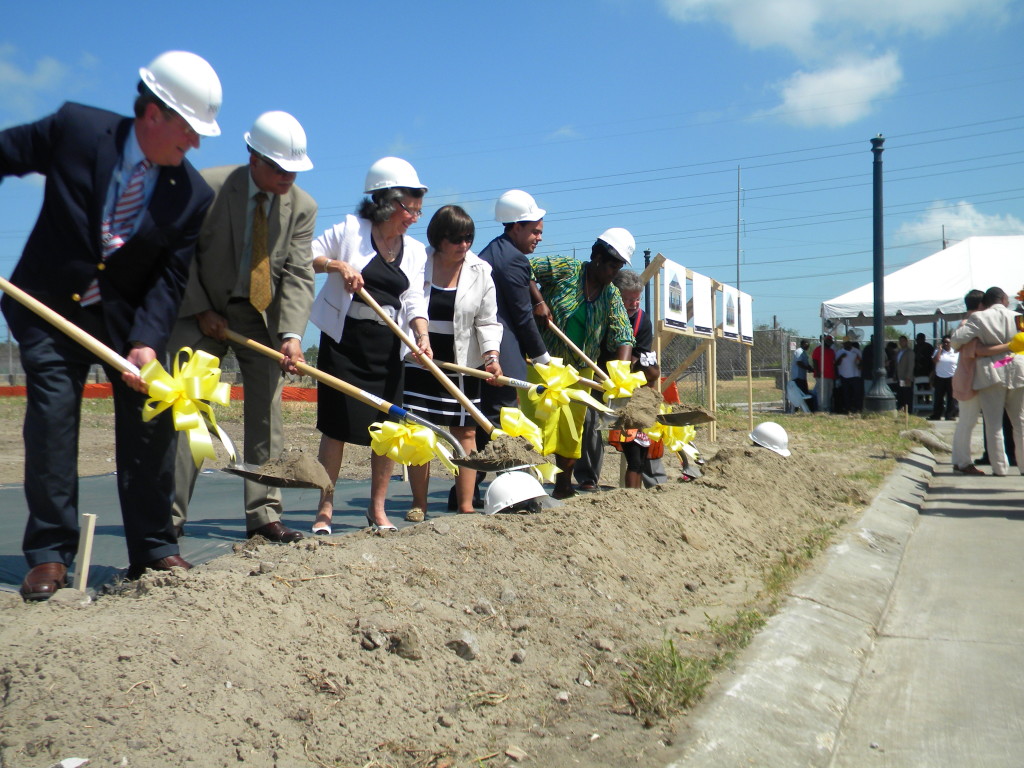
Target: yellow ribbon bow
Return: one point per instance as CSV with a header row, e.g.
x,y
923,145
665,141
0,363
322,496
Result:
x,y
621,381
552,405
409,444
545,472
676,439
514,423
188,393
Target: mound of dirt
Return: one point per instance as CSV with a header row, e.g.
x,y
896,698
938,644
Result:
x,y
640,411
462,639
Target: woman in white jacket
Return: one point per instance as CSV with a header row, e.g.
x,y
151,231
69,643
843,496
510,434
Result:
x,y
370,250
464,329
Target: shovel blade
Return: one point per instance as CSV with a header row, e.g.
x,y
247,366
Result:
x,y
252,472
685,418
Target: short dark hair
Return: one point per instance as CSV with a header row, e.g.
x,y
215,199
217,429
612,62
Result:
x,y
449,222
601,251
994,295
146,96
973,299
379,206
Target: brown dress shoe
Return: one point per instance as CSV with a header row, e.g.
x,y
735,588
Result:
x,y
277,532
43,580
163,564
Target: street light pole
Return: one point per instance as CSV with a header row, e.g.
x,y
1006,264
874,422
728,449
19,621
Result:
x,y
879,397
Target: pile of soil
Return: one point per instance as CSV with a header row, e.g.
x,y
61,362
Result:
x,y
463,640
641,411
294,469
505,452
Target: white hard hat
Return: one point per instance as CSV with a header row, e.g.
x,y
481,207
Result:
x,y
772,436
511,488
187,84
391,172
516,205
620,241
279,138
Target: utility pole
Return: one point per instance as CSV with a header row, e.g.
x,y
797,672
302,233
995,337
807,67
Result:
x,y
738,227
647,288
879,397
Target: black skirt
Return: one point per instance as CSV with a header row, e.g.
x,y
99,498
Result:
x,y
368,358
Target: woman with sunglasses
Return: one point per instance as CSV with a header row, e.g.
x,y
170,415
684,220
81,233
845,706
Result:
x,y
464,329
370,251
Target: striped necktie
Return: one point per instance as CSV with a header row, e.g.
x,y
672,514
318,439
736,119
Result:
x,y
259,275
119,226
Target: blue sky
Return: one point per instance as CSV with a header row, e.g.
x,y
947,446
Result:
x,y
633,113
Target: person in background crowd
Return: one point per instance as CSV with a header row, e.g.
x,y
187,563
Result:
x,y
848,361
800,367
252,274
963,391
110,251
945,360
999,382
824,361
923,354
904,375
368,251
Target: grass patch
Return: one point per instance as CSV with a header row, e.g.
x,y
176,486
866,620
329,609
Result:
x,y
660,682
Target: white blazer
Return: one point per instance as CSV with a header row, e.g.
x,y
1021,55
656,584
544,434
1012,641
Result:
x,y
350,241
477,329
992,326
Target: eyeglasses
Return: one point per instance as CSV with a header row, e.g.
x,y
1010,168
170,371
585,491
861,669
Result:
x,y
415,214
273,166
458,239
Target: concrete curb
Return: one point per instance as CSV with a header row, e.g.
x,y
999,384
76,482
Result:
x,y
783,702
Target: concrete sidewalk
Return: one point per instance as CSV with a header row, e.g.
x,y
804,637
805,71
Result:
x,y
906,649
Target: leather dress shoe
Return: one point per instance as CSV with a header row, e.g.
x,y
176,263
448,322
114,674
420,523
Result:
x,y
43,580
163,564
276,532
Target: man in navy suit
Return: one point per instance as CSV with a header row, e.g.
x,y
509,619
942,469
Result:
x,y
117,271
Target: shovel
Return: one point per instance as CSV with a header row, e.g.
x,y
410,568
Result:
x,y
507,381
601,375
395,412
445,382
97,347
686,418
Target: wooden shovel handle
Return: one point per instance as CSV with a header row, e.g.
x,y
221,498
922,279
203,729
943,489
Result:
x,y
427,363
94,345
601,375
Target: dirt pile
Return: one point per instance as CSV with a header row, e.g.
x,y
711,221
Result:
x,y
460,638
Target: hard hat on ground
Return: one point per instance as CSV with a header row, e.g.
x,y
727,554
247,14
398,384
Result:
x,y
772,436
620,241
391,172
187,84
515,206
511,488
278,137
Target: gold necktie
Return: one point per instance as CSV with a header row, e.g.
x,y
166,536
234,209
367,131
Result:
x,y
259,276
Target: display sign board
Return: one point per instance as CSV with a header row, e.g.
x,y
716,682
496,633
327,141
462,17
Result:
x,y
730,312
746,318
703,308
673,298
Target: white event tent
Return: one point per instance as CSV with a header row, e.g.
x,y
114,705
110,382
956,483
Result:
x,y
934,287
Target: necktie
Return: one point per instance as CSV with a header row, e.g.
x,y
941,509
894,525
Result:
x,y
118,227
259,276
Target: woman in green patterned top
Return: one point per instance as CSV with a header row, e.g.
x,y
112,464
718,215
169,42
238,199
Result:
x,y
579,298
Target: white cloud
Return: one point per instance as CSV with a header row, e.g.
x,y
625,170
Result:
x,y
839,95
961,220
565,132
812,28
19,87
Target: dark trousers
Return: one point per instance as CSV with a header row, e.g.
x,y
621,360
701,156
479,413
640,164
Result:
x,y
56,370
944,402
852,397
905,398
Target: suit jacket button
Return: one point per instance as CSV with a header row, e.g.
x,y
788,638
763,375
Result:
x,y
76,297
101,266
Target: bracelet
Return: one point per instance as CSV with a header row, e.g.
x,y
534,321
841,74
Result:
x,y
490,359
539,303
421,335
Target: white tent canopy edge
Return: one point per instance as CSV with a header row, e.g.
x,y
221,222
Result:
x,y
934,287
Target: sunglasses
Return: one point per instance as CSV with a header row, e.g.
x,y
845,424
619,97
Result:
x,y
457,239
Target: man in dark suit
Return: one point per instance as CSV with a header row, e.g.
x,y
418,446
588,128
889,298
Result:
x,y
262,291
510,269
110,251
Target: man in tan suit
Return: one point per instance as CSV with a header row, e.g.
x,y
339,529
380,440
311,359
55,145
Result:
x,y
252,273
